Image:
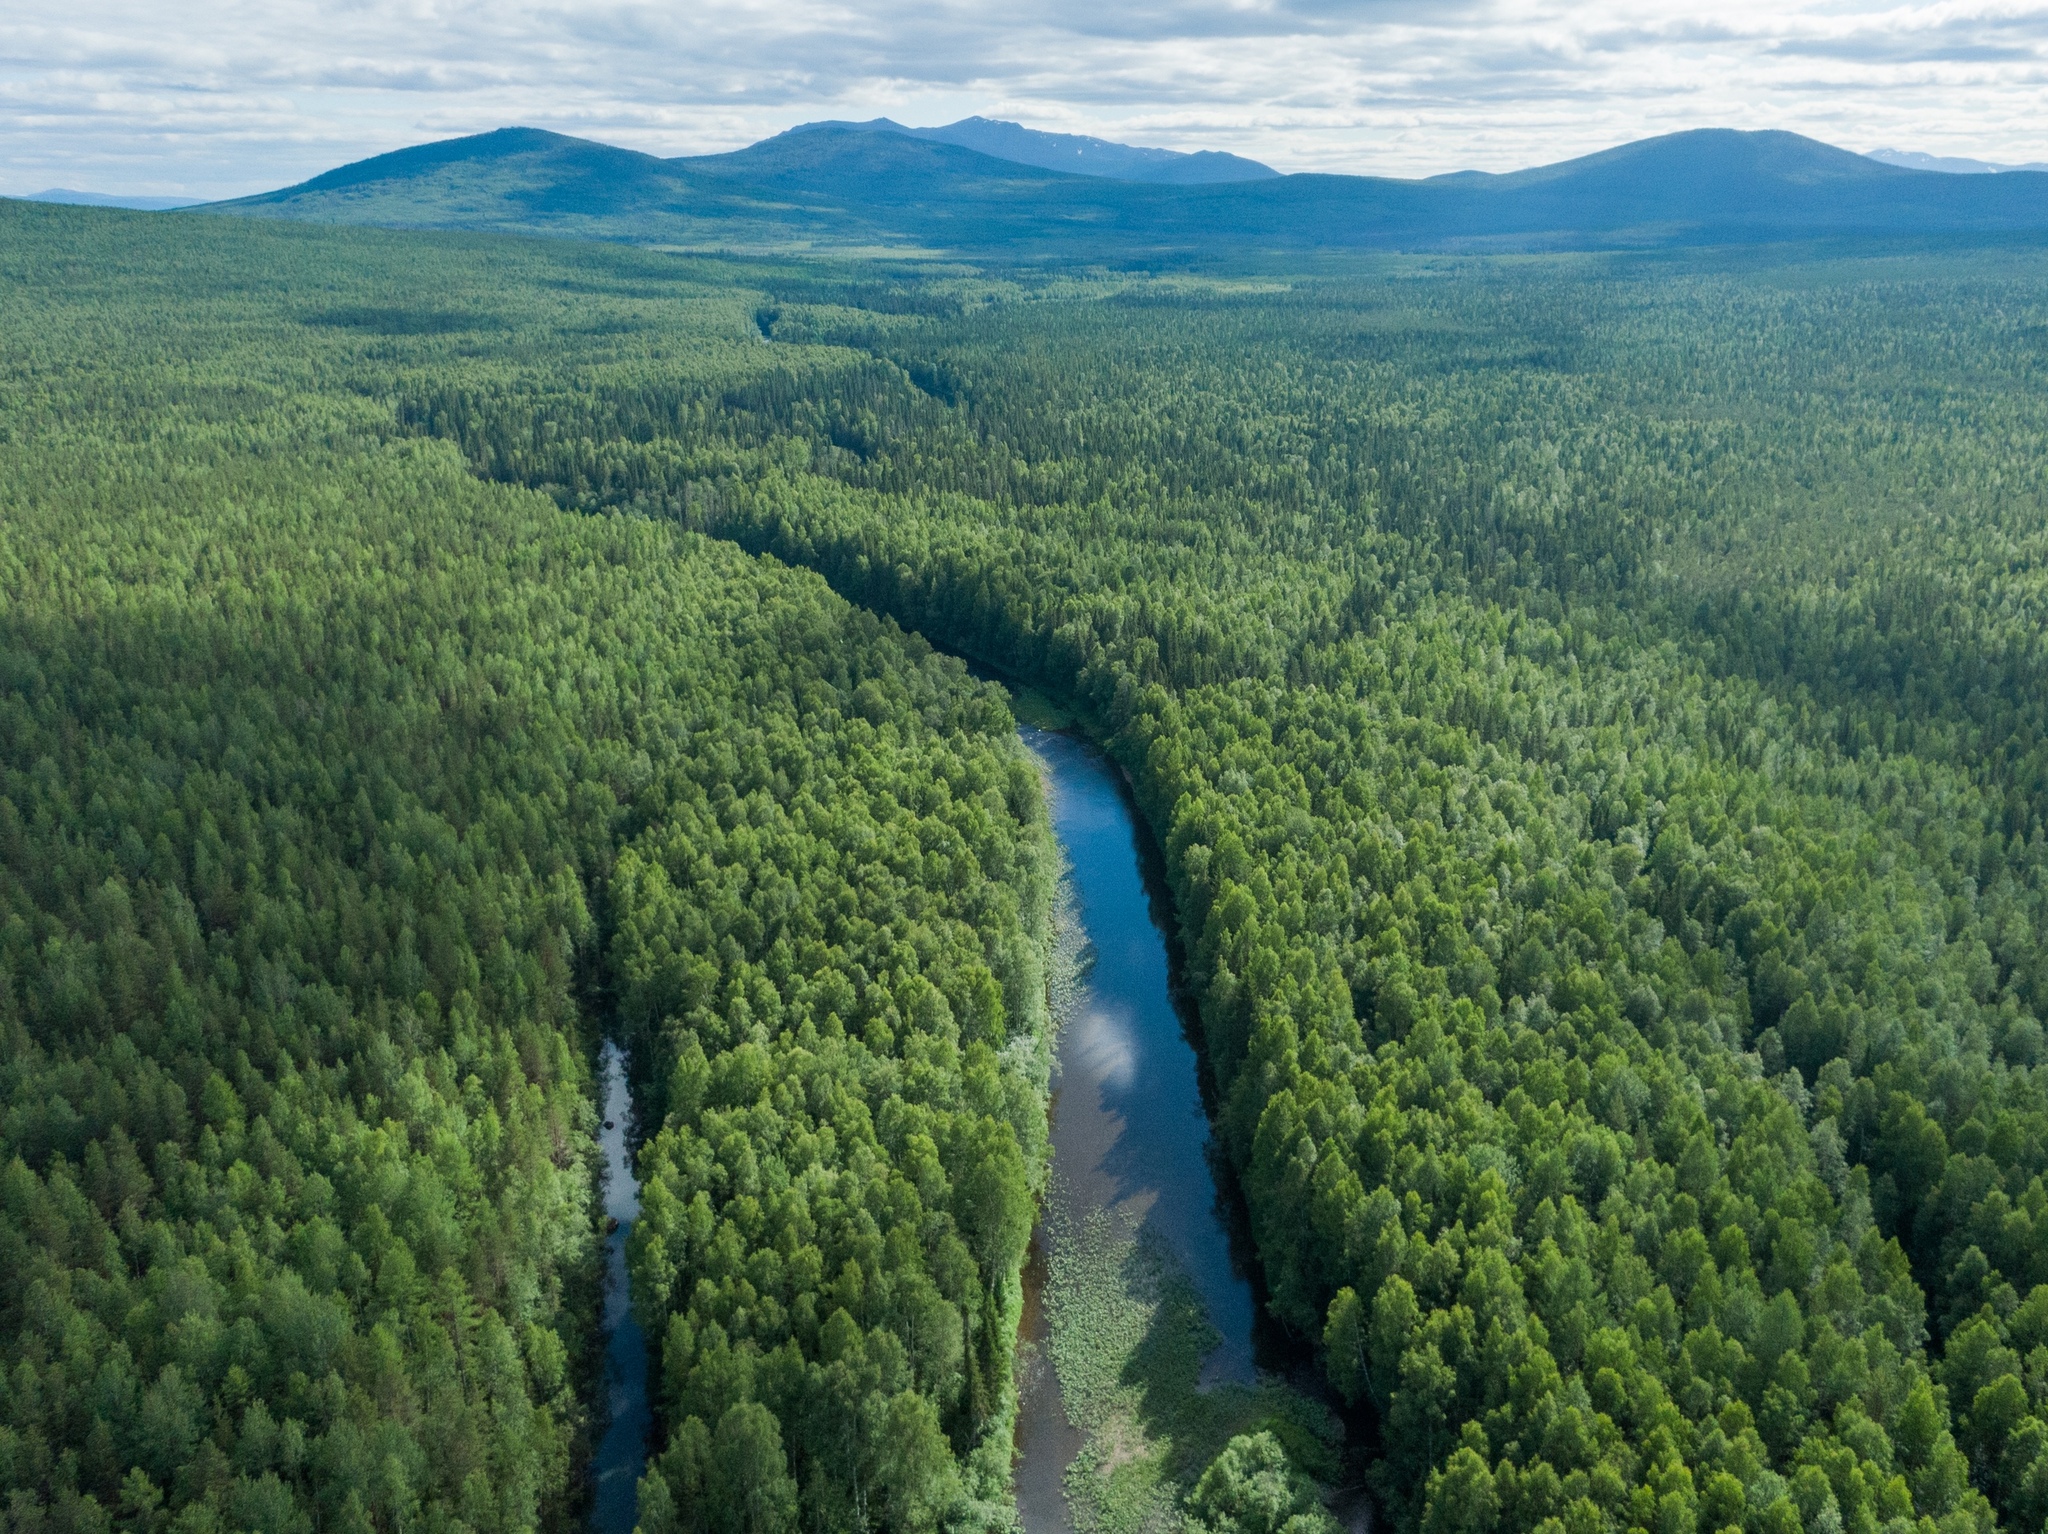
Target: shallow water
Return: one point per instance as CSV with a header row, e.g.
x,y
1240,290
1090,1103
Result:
x,y
622,1454
1129,1133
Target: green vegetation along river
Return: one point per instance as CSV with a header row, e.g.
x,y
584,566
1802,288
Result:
x,y
1144,1324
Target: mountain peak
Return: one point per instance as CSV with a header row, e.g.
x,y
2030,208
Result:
x,y
1074,153
1711,156
499,144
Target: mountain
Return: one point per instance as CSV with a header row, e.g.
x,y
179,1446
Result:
x,y
862,187
1954,165
836,188
1075,153
1715,185
109,200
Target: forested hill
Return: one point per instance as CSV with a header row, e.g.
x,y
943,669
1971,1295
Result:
x,y
854,185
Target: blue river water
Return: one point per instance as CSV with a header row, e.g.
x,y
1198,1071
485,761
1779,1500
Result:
x,y
1129,1131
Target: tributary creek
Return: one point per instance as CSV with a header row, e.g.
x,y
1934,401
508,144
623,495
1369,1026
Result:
x,y
1129,1137
622,1455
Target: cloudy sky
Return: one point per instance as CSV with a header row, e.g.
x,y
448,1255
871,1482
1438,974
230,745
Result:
x,y
215,97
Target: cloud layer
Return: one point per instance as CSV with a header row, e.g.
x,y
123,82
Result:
x,y
218,97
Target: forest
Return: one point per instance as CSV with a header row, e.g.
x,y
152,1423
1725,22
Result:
x,y
1591,709
347,802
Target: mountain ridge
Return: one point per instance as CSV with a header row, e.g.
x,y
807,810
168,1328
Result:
x,y
1952,165
859,186
71,197
1075,153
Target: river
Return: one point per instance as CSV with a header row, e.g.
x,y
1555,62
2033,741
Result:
x,y
1129,1137
1129,1131
622,1454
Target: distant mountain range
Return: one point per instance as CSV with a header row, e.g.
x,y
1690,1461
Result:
x,y
1954,165
110,200
988,188
1950,164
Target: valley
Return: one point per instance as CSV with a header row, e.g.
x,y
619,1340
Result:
x,y
1587,707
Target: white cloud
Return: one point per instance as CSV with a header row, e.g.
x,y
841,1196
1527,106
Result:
x,y
215,97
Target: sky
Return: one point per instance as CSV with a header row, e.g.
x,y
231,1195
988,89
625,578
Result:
x,y
211,98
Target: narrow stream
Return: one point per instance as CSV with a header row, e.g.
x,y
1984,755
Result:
x,y
622,1455
1129,1133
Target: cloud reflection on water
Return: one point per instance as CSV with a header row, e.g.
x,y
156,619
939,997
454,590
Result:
x,y
1130,1134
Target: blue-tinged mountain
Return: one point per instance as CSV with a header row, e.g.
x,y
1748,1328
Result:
x,y
69,197
863,187
829,188
1721,186
1075,153
1954,165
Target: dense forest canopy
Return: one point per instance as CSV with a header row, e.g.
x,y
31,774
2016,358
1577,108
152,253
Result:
x,y
1591,707
343,802
1593,711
